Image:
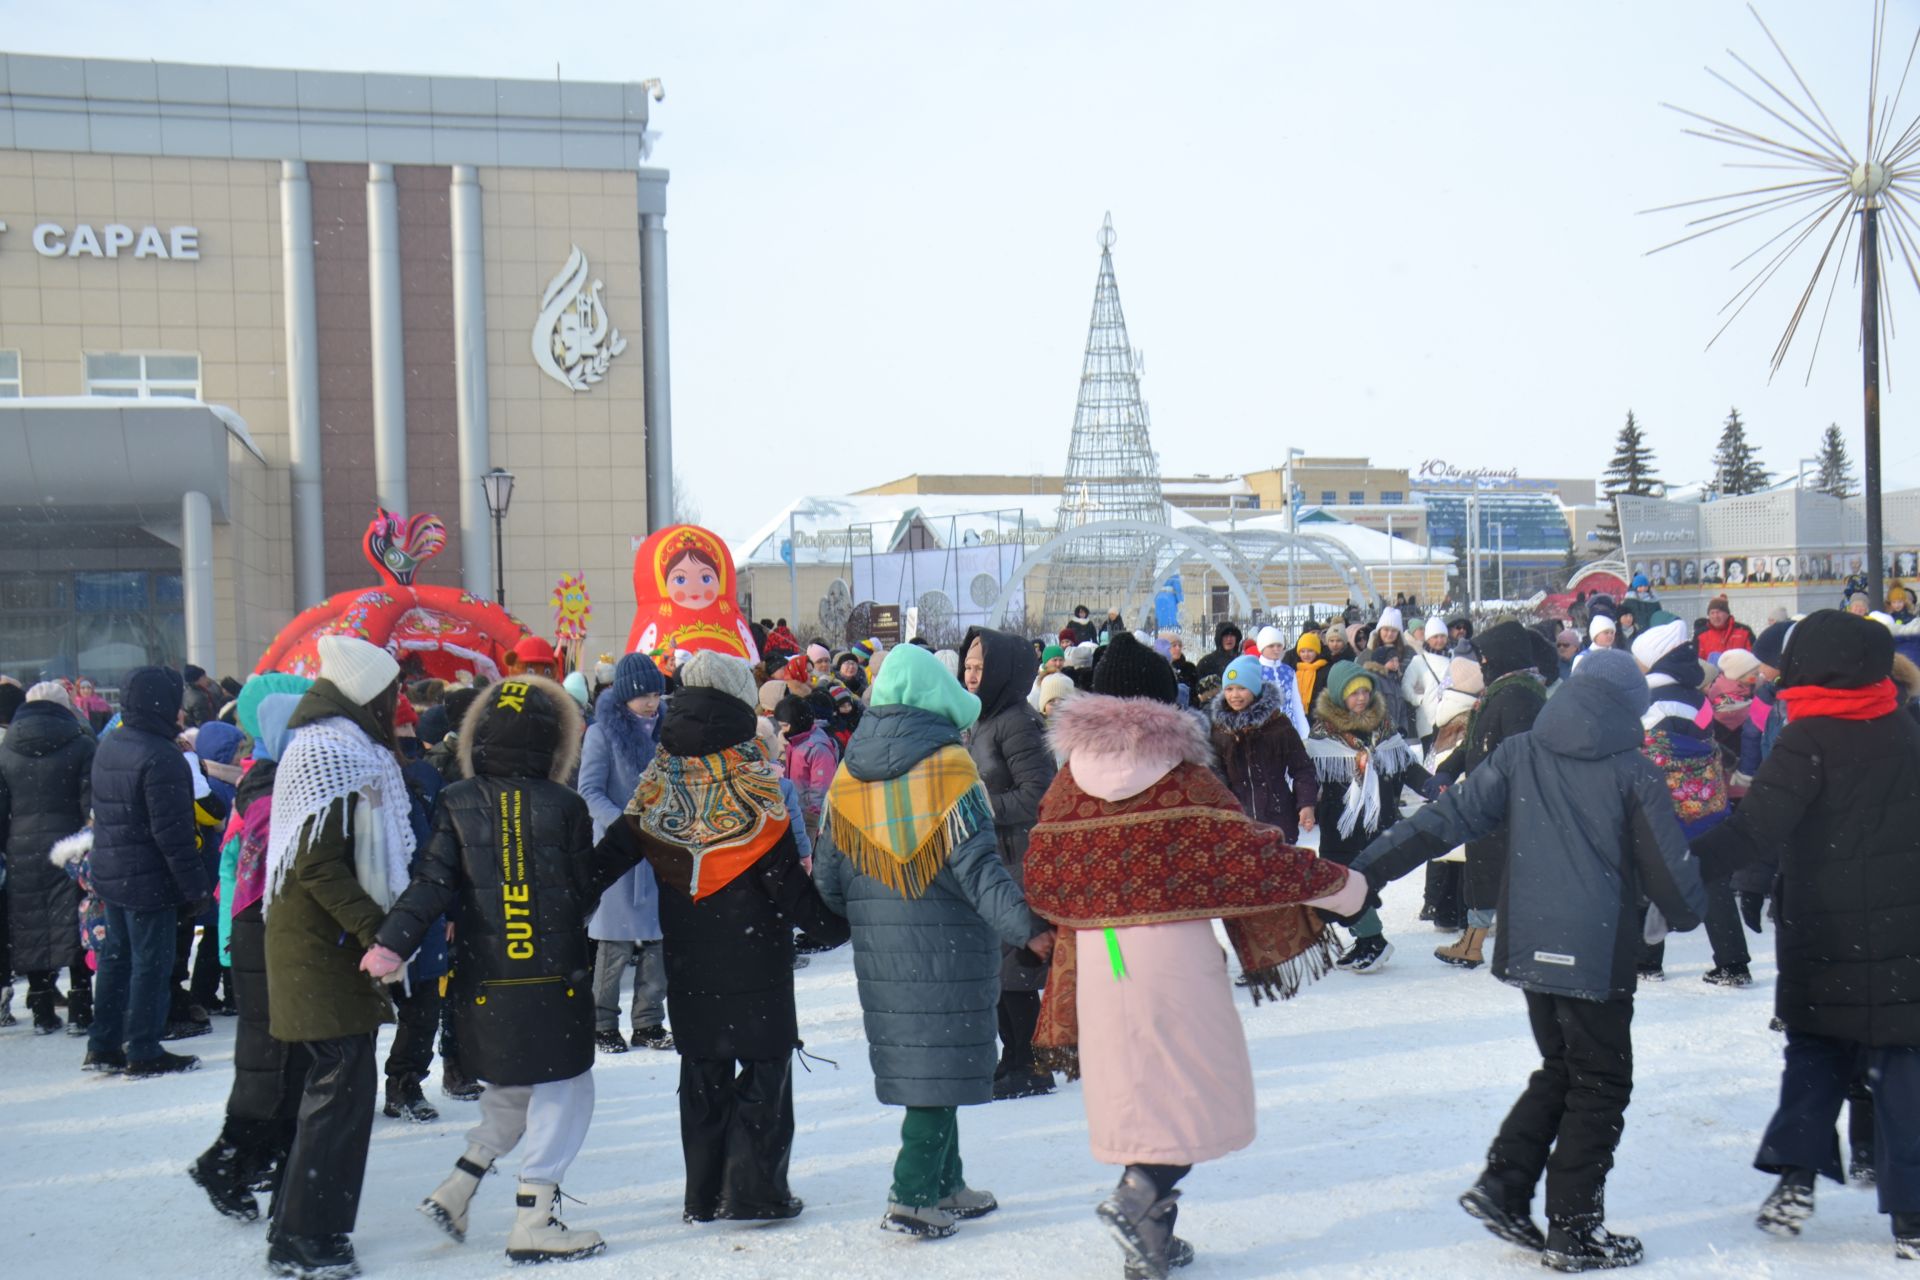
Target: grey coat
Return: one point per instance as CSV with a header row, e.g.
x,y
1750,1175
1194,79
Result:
x,y
928,967
1592,834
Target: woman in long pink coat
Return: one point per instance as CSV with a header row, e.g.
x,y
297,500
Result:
x,y
1139,848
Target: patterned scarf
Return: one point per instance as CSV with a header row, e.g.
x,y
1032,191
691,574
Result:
x,y
706,819
901,831
1180,850
332,764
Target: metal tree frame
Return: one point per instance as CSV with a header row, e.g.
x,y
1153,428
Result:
x,y
1112,474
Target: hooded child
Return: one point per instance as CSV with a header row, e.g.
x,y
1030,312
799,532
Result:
x,y
910,856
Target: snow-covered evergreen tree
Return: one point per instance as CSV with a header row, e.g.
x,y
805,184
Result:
x,y
1630,473
1836,468
1736,464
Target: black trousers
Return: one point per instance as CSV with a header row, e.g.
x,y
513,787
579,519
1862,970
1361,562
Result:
x,y
269,1076
1568,1122
1444,891
319,1193
1725,933
419,1013
1820,1074
1019,1014
736,1133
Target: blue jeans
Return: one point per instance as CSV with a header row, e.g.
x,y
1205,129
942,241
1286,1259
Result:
x,y
130,993
1812,1087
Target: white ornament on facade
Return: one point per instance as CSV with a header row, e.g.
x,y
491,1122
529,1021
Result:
x,y
573,340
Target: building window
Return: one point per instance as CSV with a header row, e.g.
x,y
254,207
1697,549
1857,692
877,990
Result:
x,y
1357,497
10,375
1391,497
131,376
1328,497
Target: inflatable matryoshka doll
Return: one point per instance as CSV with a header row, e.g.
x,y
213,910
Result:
x,y
683,587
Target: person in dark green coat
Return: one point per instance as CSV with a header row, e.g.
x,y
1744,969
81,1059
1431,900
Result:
x,y
908,855
338,856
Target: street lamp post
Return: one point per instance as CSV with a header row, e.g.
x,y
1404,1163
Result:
x,y
497,484
1293,533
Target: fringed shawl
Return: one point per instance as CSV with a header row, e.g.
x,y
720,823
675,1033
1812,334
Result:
x,y
705,819
901,831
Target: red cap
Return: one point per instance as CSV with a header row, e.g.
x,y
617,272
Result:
x,y
404,713
533,649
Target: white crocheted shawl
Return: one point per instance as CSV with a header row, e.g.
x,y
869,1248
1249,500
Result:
x,y
325,763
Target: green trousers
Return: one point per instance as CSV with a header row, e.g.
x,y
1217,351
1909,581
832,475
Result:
x,y
928,1169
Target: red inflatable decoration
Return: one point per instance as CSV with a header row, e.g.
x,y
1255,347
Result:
x,y
683,589
438,631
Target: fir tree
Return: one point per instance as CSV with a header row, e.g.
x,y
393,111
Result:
x,y
1736,465
1630,474
1836,469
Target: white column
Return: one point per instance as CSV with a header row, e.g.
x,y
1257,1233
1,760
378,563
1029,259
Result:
x,y
389,345
196,579
654,355
470,379
303,385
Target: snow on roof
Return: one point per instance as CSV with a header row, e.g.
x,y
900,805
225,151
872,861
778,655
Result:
x,y
825,526
1369,546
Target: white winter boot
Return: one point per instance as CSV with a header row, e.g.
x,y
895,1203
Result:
x,y
450,1200
539,1236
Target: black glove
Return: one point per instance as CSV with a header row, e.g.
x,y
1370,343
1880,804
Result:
x,y
1752,907
195,909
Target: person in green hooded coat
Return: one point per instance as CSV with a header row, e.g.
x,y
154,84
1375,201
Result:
x,y
908,855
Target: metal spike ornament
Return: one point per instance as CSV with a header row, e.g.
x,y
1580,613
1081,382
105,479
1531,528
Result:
x,y
1880,183
1112,473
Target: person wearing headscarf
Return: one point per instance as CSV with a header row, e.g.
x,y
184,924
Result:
x,y
1009,750
1362,762
1261,759
1834,814
268,1074
1140,847
1679,741
717,832
625,928
1308,668
910,856
338,851
1593,836
46,795
513,862
1425,677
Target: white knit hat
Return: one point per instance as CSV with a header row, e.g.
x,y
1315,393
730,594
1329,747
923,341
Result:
x,y
1392,617
356,668
1269,635
50,691
709,669
1601,622
1437,628
1656,643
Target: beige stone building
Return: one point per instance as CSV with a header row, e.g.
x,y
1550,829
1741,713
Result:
x,y
240,308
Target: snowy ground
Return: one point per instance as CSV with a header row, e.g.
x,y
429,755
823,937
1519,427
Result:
x,y
1377,1098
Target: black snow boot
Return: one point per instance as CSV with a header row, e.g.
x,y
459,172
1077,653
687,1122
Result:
x,y
456,1083
221,1172
1788,1205
1141,1220
45,1020
1582,1244
1179,1252
80,1011
312,1257
1860,1170
1728,975
6,1004
1503,1211
1906,1236
406,1102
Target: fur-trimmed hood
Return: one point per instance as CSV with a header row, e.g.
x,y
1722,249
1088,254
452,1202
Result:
x,y
72,848
1118,747
522,738
1333,717
1263,708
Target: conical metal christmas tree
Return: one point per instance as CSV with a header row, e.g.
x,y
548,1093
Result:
x,y
1112,473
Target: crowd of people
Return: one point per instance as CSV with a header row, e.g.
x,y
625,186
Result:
x,y
482,861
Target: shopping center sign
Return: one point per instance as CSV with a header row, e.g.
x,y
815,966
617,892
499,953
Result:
x,y
115,240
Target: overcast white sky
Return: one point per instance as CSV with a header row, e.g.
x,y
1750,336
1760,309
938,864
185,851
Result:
x,y
1404,229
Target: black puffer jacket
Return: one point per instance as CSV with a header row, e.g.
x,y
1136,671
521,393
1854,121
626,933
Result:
x,y
1835,807
46,779
1215,661
1512,702
512,861
1593,835
730,954
146,854
1009,749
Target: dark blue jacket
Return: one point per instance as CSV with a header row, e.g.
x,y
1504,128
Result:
x,y
146,855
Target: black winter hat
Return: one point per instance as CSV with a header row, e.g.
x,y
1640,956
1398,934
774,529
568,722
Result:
x,y
1837,650
194,675
456,703
155,693
11,696
1771,644
1131,670
1546,658
795,713
1504,649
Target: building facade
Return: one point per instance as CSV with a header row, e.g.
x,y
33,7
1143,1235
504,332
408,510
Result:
x,y
386,285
